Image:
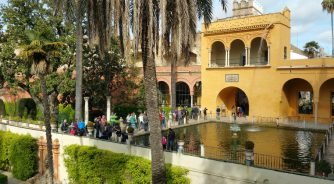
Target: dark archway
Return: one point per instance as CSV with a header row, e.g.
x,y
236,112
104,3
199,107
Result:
x,y
164,95
259,52
218,54
297,98
197,93
237,53
182,94
233,97
326,101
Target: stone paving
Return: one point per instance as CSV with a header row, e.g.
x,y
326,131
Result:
x,y
11,179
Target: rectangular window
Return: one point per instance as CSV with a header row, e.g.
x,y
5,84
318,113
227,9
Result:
x,y
285,53
305,102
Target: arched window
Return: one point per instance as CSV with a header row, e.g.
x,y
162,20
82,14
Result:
x,y
182,94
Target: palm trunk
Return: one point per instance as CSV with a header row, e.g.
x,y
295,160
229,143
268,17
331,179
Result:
x,y
47,127
173,83
78,79
332,35
151,95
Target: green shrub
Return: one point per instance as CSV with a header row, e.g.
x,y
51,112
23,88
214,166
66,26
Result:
x,y
19,153
26,108
3,179
2,108
323,167
10,108
124,110
39,114
86,165
66,112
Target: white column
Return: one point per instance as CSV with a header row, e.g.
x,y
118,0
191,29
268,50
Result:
x,y
315,111
246,56
202,150
312,168
249,56
268,56
226,59
108,108
209,50
191,100
86,109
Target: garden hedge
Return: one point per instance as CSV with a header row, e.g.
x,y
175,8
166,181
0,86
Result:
x,y
18,154
124,110
89,165
2,108
3,179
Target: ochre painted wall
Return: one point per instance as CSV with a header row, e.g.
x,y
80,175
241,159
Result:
x,y
264,84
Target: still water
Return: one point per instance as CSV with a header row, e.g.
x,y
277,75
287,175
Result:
x,y
217,138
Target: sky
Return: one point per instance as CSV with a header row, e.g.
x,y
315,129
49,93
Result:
x,y
308,21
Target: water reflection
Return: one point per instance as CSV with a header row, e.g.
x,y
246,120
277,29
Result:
x,y
217,138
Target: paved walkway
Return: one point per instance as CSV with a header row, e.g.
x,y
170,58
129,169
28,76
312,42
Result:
x,y
11,179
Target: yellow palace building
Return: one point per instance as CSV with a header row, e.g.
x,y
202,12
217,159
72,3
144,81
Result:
x,y
246,62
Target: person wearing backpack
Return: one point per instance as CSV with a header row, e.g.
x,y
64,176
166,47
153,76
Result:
x,y
164,142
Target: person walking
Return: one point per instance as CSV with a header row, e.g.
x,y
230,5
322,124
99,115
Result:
x,y
171,138
218,113
205,113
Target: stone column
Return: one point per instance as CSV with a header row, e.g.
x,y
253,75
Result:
x,y
312,168
86,109
191,100
315,112
202,150
209,60
246,56
41,155
55,151
228,57
108,108
268,56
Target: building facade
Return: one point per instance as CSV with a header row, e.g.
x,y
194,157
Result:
x,y
246,63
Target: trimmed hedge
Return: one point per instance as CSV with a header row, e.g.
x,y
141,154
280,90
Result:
x,y
3,179
89,165
10,108
18,154
124,110
2,108
66,112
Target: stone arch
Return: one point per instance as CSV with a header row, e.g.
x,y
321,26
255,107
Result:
x,y
297,98
259,52
326,101
232,97
237,53
164,93
183,97
218,54
197,92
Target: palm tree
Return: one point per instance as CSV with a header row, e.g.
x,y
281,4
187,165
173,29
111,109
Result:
x,y
311,49
178,24
39,54
105,19
328,5
179,19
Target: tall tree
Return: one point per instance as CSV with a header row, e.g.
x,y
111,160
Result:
x,y
39,53
328,5
178,24
178,20
311,49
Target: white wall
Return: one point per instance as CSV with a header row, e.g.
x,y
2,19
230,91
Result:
x,y
201,170
294,55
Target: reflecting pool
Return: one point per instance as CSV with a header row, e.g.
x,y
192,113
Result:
x,y
288,144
